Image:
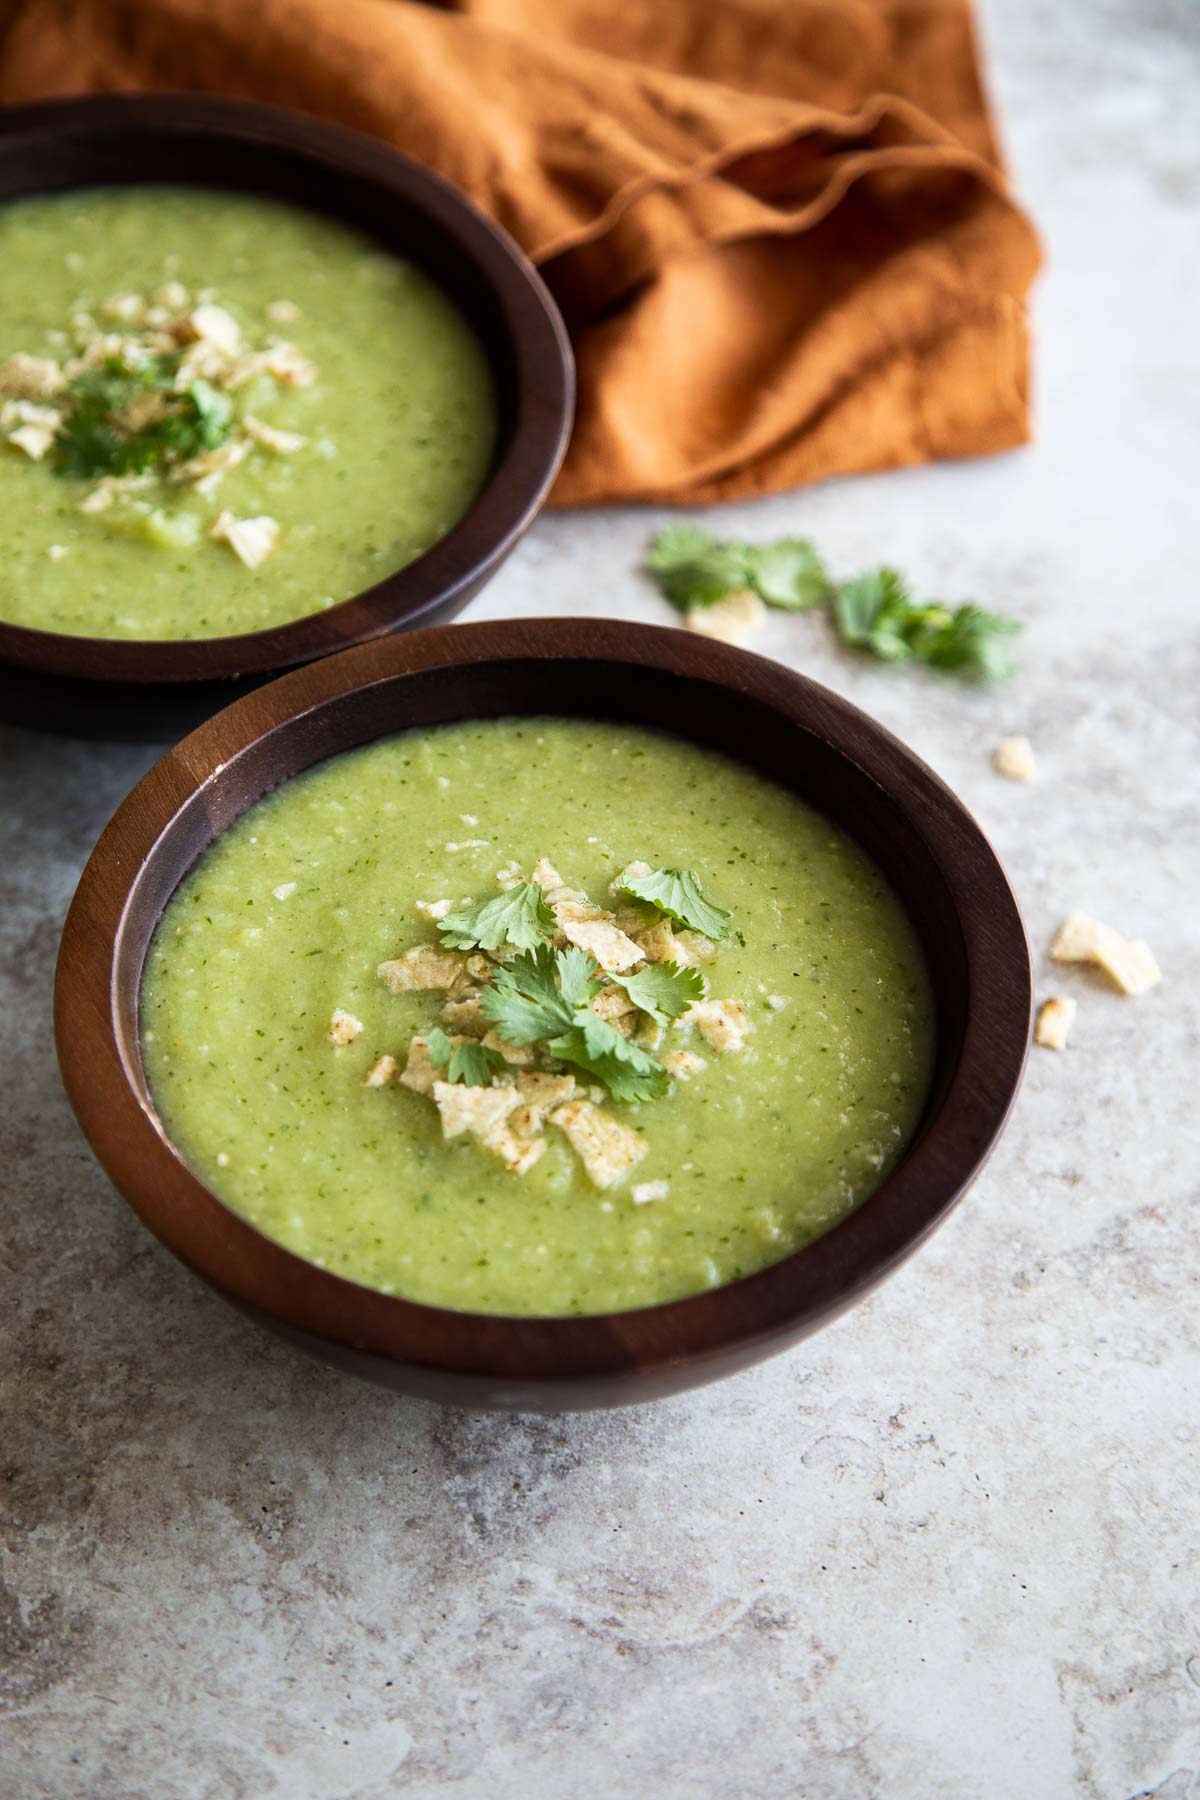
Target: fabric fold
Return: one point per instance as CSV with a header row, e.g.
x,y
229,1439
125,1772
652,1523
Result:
x,y
780,234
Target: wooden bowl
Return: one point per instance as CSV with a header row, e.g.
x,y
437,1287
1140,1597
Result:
x,y
938,861
153,689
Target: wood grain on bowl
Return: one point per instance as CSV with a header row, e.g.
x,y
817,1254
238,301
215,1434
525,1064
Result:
x,y
938,862
121,688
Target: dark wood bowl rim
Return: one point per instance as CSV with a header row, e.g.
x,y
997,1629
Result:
x,y
513,493
107,1086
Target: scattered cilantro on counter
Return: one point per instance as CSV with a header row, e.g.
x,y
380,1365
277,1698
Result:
x,y
875,612
696,569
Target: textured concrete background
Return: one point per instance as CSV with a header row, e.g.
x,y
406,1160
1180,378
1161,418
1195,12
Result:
x,y
949,1548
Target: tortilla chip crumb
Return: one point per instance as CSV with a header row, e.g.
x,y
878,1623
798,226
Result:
x,y
417,1073
343,1027
1014,759
643,1192
434,909
284,891
722,1023
606,1148
466,1016
422,968
733,620
30,377
1128,962
1054,1021
634,871
381,1072
683,1064
34,440
478,1110
251,540
601,939
517,1054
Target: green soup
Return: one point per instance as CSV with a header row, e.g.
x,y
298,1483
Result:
x,y
376,429
287,917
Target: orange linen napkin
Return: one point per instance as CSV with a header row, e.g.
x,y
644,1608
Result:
x,y
778,229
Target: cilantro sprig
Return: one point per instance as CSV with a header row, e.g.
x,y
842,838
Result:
x,y
677,893
97,435
519,917
544,995
663,990
695,569
875,612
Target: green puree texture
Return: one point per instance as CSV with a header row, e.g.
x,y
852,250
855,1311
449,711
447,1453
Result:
x,y
401,420
763,1150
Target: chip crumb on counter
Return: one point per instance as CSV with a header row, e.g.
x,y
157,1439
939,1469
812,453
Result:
x,y
643,1192
343,1027
733,620
1129,962
721,1023
1054,1021
383,1070
1014,759
605,1147
251,540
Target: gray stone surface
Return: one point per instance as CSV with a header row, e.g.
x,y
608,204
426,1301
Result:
x,y
947,1549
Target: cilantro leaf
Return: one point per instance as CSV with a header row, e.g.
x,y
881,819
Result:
x,y
523,1000
469,1063
876,612
578,976
975,642
97,438
663,990
628,1072
677,893
787,574
693,568
520,917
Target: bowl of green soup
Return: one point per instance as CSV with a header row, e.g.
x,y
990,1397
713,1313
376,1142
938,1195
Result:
x,y
542,1015
267,389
